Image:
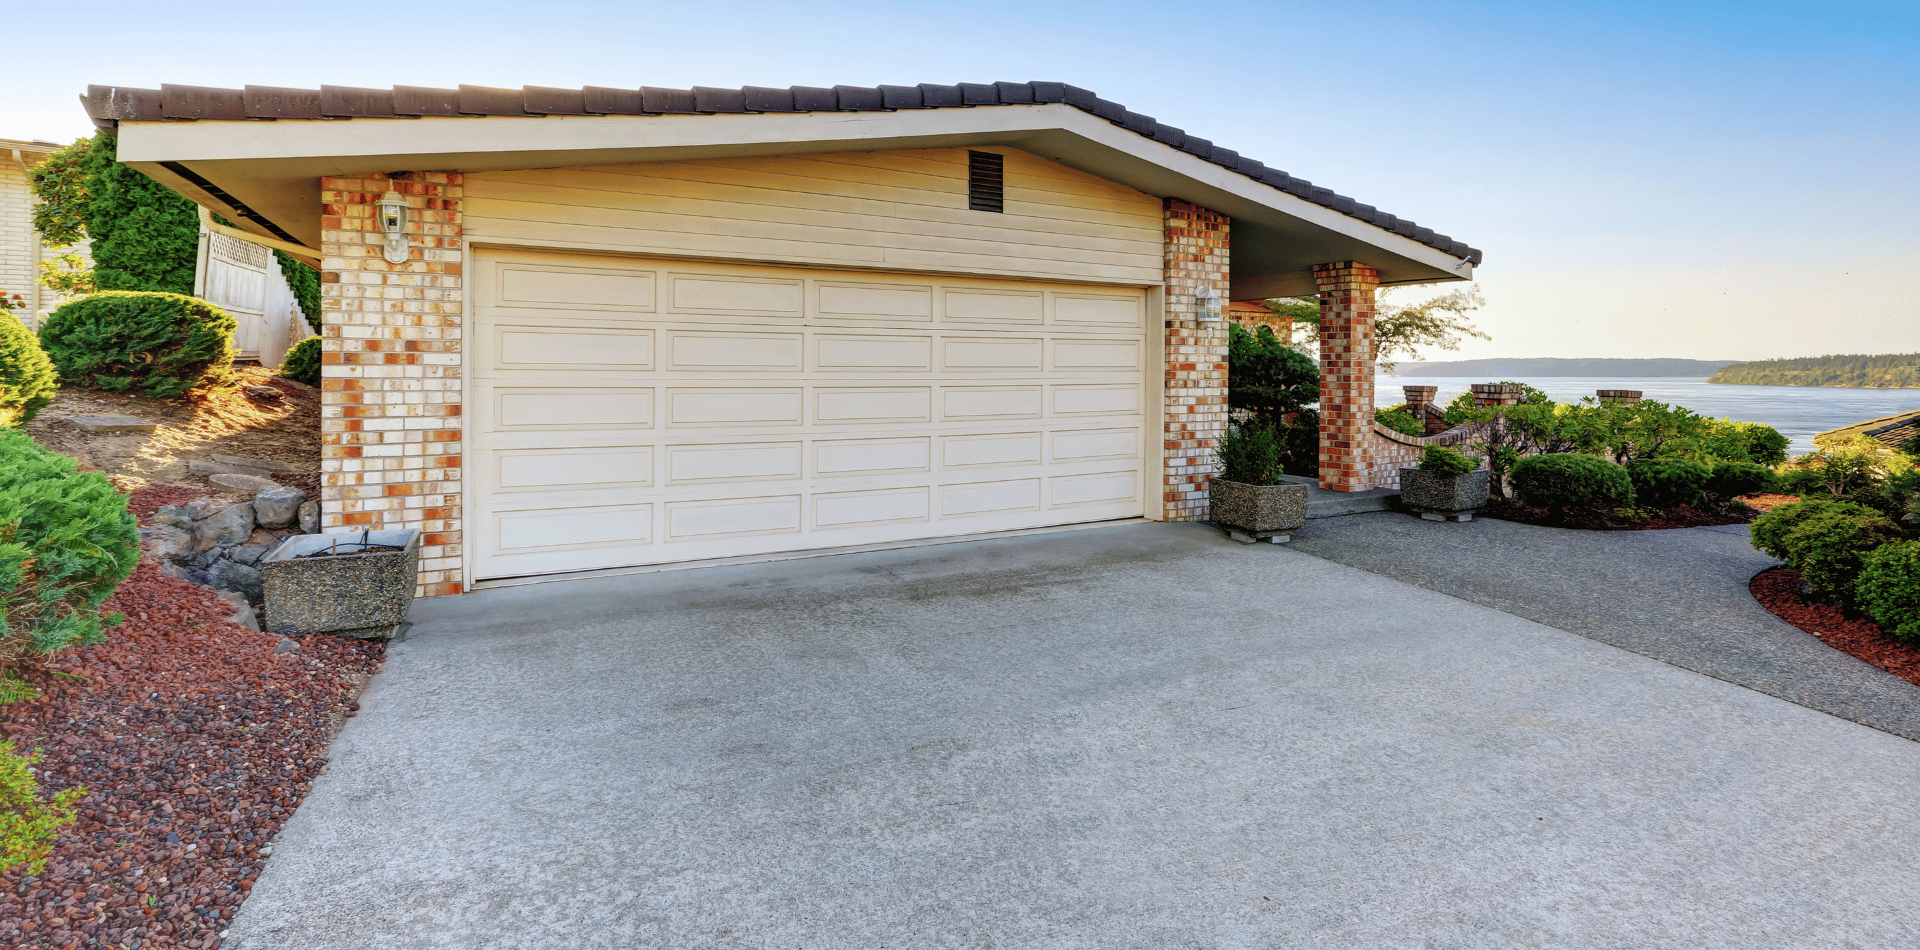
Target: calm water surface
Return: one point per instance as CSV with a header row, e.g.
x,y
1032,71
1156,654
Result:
x,y
1797,411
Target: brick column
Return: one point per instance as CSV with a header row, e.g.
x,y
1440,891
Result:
x,y
1494,395
390,439
1347,292
1196,356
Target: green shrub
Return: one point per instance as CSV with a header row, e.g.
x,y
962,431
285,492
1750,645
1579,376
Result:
x,y
164,344
1567,482
1732,441
304,281
1445,461
27,378
1828,548
1664,483
145,236
1732,479
1889,588
28,824
66,543
1771,529
1397,419
302,362
1267,377
1249,452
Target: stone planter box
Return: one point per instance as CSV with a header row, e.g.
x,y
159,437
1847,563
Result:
x,y
351,595
1444,497
1259,512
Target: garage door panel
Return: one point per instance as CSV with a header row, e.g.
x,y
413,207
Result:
x,y
873,405
969,403
759,410
529,408
856,509
749,461
734,407
732,516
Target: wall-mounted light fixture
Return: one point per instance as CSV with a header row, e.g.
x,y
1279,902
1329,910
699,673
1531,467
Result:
x,y
1208,305
393,224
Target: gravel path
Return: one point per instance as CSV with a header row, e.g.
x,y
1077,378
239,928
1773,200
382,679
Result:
x,y
1678,596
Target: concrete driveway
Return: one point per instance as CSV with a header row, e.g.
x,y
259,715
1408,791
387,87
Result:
x,y
1140,736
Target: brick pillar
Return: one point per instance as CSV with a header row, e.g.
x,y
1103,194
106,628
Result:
x,y
1196,356
1420,406
1496,394
1629,396
1347,292
390,442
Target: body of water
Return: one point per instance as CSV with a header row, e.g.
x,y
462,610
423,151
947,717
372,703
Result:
x,y
1799,412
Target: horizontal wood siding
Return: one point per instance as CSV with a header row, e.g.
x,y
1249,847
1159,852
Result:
x,y
896,210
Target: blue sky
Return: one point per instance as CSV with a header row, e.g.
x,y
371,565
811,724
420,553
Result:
x,y
1705,180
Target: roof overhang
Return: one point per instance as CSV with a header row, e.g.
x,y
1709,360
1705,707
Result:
x,y
272,168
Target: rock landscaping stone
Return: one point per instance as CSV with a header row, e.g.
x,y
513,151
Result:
x,y
230,526
236,577
174,516
210,467
284,468
166,542
248,554
107,425
310,518
277,506
241,482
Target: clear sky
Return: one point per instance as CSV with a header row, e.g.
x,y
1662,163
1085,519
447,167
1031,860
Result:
x,y
1704,180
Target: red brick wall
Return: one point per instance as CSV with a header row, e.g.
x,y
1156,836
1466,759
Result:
x,y
390,428
1347,297
1196,356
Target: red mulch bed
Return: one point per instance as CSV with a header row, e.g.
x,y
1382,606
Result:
x,y
1778,590
1681,516
143,502
196,741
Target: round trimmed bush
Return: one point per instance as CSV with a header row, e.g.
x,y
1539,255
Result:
x,y
1828,549
1733,479
1567,482
159,343
1664,483
1889,588
27,377
1445,461
302,362
1771,529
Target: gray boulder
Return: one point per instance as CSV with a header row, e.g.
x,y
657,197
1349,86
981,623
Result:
x,y
248,554
310,518
165,542
174,516
277,506
239,578
231,525
201,508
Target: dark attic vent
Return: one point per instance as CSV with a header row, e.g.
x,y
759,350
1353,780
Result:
x,y
986,182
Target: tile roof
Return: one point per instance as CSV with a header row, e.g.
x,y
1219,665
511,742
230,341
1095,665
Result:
x,y
1892,431
110,104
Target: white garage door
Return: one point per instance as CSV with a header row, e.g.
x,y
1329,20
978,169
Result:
x,y
628,412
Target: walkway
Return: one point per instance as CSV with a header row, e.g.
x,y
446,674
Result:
x,y
1127,737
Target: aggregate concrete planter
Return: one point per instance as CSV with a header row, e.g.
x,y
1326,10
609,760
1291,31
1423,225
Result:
x,y
1444,497
352,595
1259,512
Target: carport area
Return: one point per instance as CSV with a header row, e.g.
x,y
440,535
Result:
x,y
1128,736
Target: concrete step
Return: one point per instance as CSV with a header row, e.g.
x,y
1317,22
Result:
x,y
1332,504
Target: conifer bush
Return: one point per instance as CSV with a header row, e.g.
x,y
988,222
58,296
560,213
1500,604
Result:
x,y
1830,548
27,823
28,380
1770,530
1570,482
66,543
1889,588
1664,483
1733,479
161,344
302,362
145,235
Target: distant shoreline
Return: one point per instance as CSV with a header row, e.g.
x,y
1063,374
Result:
x,y
1496,369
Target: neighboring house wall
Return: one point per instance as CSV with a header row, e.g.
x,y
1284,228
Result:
x,y
20,248
903,210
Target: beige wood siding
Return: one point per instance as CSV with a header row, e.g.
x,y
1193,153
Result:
x,y
899,210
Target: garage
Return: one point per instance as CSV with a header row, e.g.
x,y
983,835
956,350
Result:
x,y
634,411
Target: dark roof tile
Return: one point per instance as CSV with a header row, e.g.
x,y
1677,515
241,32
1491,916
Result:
x,y
108,105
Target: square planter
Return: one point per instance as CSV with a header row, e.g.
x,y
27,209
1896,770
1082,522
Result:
x,y
1444,497
351,595
1258,512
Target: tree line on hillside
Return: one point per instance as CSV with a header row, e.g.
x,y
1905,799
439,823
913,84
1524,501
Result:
x,y
1892,371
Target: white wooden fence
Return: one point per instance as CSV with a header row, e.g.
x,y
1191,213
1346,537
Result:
x,y
245,280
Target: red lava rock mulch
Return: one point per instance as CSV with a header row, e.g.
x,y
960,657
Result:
x,y
143,502
1767,501
1778,590
196,741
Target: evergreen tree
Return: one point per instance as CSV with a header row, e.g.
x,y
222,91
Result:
x,y
145,237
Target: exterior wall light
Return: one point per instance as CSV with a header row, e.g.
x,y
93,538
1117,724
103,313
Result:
x,y
1209,305
393,224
